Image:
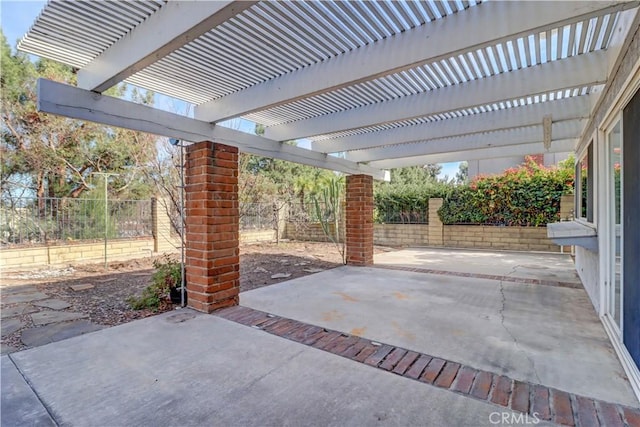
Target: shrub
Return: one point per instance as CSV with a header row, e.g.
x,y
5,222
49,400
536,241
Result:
x,y
528,195
168,275
168,272
406,203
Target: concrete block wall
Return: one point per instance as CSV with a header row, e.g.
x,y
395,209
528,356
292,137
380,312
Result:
x,y
165,240
401,234
253,236
460,236
64,254
567,213
24,257
453,236
436,235
74,253
310,232
502,238
383,234
567,208
60,255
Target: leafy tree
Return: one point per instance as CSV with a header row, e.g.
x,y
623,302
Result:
x,y
415,175
433,170
263,179
51,156
405,199
463,173
163,173
567,164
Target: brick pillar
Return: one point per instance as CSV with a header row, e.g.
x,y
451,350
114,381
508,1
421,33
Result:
x,y
436,229
359,220
212,226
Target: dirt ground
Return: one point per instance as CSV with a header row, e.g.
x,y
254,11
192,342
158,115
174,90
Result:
x,y
106,301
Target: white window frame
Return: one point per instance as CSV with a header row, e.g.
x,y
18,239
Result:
x,y
589,149
608,232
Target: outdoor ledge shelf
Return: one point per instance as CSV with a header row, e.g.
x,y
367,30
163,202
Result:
x,y
573,233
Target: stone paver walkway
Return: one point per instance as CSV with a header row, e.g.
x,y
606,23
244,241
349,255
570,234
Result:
x,y
41,319
535,400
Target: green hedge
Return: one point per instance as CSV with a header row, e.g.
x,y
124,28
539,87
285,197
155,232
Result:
x,y
406,203
528,195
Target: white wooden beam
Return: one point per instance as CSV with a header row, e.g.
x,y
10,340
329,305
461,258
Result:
x,y
68,101
561,146
490,23
528,115
563,130
582,70
626,25
174,25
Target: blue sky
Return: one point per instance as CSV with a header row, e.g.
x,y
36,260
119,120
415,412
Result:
x,y
16,17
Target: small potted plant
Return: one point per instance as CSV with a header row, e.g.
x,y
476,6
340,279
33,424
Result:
x,y
169,275
165,280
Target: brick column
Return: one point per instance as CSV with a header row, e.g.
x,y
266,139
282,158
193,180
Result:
x,y
212,226
359,220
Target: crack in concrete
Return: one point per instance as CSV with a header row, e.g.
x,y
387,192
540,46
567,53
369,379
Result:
x,y
515,340
251,383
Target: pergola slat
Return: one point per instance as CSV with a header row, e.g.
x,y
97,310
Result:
x,y
570,129
530,115
375,80
158,36
560,146
575,71
405,50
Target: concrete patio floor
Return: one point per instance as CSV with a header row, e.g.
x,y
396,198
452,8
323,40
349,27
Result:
x,y
542,334
191,369
186,368
541,265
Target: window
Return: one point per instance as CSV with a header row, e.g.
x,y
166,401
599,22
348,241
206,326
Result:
x,y
584,185
614,176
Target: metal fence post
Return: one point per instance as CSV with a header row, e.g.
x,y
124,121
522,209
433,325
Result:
x,y
106,176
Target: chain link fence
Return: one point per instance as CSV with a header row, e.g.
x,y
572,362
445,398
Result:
x,y
401,215
258,216
44,220
31,221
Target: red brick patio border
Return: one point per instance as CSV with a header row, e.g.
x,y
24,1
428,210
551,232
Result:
x,y
536,400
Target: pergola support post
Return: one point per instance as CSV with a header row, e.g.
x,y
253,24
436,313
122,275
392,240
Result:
x,y
359,220
212,226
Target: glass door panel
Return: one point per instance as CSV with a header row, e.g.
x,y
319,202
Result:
x,y
614,146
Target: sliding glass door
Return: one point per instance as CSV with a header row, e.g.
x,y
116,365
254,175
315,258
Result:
x,y
613,291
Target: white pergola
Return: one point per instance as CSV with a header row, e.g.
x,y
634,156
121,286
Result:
x,y
373,84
